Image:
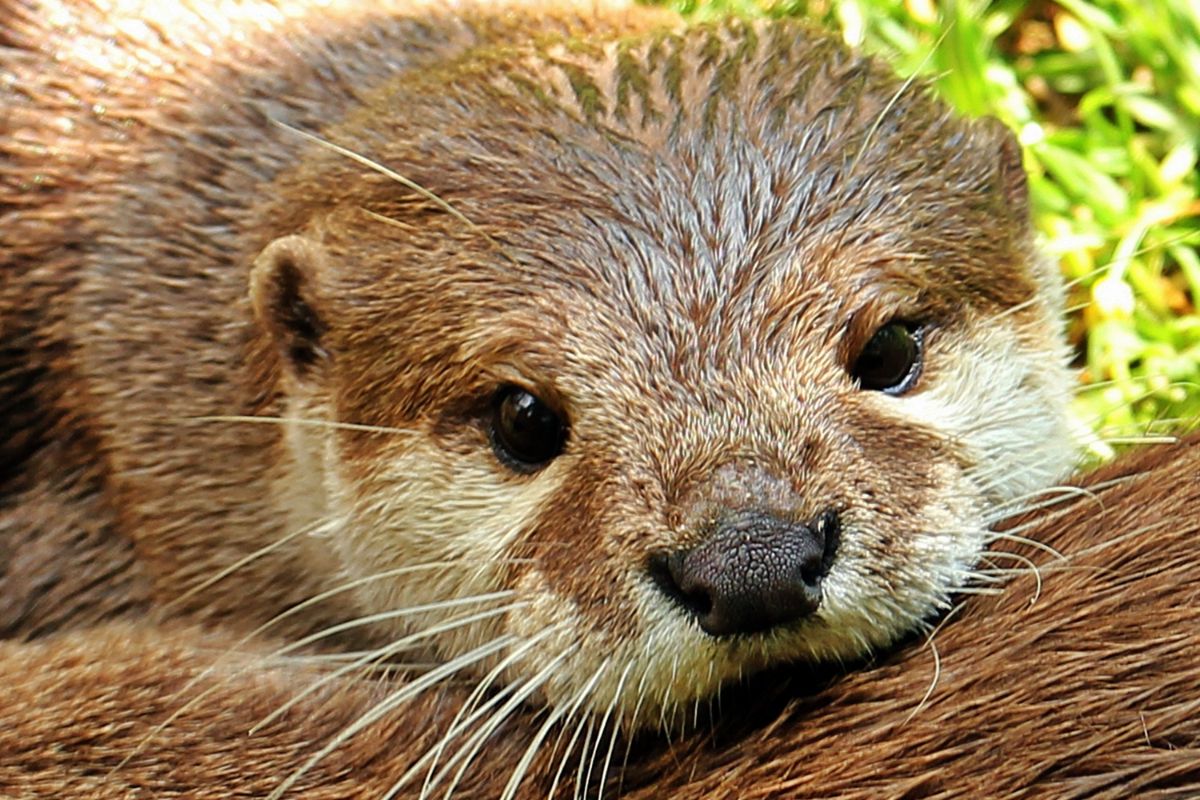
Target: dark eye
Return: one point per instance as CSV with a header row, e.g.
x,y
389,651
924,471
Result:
x,y
526,432
891,360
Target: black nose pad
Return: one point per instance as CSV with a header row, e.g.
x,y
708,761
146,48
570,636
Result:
x,y
755,572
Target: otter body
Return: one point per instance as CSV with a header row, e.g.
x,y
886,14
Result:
x,y
597,358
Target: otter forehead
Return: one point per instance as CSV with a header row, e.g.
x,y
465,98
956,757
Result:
x,y
705,248
775,170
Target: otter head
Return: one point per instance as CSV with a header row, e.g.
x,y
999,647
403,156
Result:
x,y
694,353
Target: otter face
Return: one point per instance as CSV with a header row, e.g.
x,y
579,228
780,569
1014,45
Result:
x,y
718,350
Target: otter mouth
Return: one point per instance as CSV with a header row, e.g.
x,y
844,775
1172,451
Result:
x,y
756,572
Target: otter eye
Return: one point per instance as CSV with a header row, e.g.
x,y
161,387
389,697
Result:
x,y
891,360
526,433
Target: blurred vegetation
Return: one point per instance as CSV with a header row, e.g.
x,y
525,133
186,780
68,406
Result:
x,y
1105,97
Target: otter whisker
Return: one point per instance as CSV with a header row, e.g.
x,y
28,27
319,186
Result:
x,y
1115,540
191,703
612,739
384,616
1093,494
1009,536
1017,308
895,98
993,476
1031,568
995,575
162,726
304,422
342,657
604,720
979,591
997,424
386,220
392,701
564,710
664,696
396,646
468,714
1135,253
937,674
387,172
577,730
580,789
296,609
1143,439
937,662
356,664
1045,498
245,560
477,739
632,728
372,578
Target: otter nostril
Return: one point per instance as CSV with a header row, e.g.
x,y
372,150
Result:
x,y
699,601
754,572
829,529
666,571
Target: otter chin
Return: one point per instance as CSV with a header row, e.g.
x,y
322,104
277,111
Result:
x,y
604,364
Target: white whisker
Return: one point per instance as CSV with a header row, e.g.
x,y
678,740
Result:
x,y
637,708
471,714
380,654
221,574
612,740
476,741
302,422
387,172
396,613
570,748
580,788
937,663
895,98
564,710
405,693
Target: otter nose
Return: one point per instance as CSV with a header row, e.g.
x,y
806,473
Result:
x,y
756,571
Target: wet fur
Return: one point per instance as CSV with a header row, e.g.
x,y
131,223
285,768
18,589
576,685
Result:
x,y
244,366
681,239
1085,683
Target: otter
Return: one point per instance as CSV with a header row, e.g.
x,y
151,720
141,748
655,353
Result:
x,y
599,358
1080,679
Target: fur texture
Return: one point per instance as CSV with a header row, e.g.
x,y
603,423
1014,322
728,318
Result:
x,y
267,267
1080,680
362,224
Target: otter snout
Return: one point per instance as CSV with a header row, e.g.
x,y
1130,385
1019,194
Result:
x,y
754,572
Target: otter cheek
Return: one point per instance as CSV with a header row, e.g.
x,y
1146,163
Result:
x,y
1005,400
430,550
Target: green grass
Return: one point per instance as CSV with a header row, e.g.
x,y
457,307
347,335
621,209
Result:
x,y
1105,98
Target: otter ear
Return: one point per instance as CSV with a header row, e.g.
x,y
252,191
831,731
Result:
x,y
284,285
1010,167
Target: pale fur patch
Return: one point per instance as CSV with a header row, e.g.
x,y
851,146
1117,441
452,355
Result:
x,y
418,507
1006,403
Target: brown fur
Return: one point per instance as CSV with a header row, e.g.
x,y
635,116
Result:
x,y
680,238
109,122
1087,685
